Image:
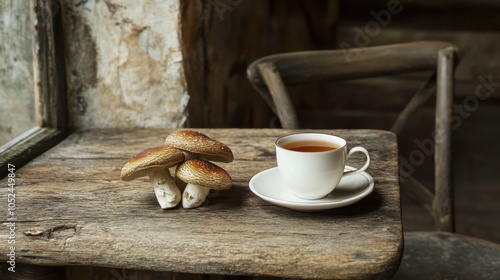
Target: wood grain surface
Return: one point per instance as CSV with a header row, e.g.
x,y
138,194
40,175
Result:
x,y
73,209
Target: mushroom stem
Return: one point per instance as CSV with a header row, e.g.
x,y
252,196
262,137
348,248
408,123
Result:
x,y
167,192
194,196
188,155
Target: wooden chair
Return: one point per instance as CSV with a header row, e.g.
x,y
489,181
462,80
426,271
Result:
x,y
441,251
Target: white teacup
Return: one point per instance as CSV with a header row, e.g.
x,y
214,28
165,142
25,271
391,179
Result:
x,y
312,164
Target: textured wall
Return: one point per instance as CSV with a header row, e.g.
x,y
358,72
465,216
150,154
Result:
x,y
17,109
124,64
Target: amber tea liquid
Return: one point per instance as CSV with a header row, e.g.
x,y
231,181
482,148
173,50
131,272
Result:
x,y
309,146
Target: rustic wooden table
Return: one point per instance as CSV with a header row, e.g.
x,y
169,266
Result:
x,y
73,209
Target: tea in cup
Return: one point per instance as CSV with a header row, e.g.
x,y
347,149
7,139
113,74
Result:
x,y
312,164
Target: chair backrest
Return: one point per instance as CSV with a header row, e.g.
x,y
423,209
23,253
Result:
x,y
271,74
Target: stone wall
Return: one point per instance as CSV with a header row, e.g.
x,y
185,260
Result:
x,y
124,64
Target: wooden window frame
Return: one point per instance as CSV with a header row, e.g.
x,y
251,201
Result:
x,y
49,88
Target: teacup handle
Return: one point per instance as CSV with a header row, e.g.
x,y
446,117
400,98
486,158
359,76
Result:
x,y
363,168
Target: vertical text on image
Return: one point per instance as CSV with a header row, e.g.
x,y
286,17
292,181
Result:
x,y
11,217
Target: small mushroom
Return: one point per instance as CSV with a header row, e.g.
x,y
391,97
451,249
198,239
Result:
x,y
199,145
201,176
155,162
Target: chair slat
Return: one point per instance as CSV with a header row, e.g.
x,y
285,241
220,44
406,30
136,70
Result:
x,y
281,98
330,65
443,192
416,102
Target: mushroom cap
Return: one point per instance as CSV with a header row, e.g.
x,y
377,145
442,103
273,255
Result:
x,y
203,173
200,144
149,159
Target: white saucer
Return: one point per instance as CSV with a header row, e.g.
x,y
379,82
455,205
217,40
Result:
x,y
269,186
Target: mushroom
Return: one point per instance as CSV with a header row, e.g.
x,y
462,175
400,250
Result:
x,y
198,145
201,176
155,163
